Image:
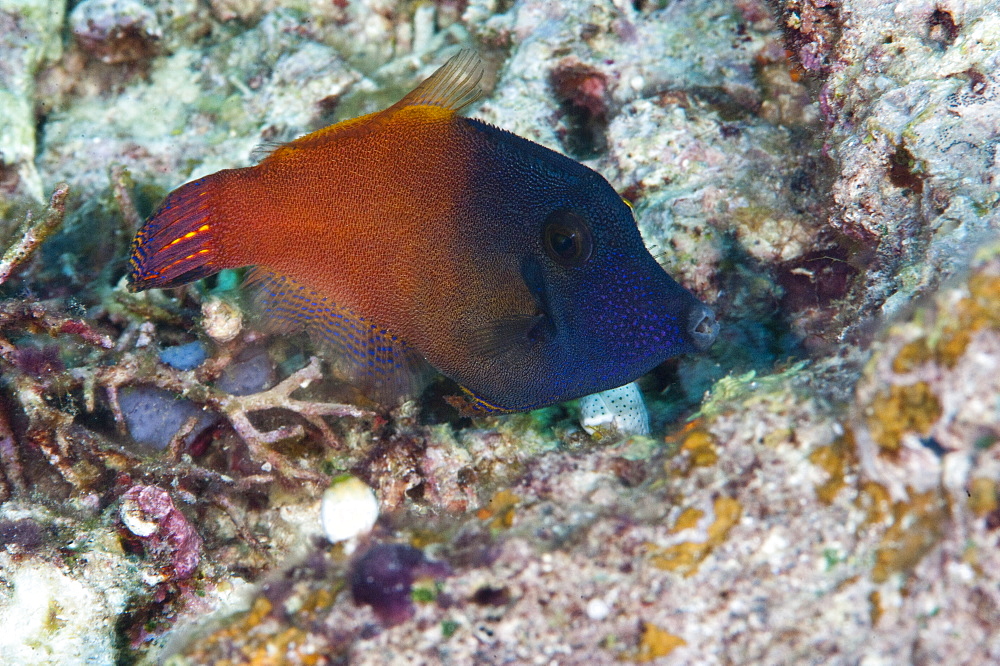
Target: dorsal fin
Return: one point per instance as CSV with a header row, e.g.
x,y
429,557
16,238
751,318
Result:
x,y
375,361
454,86
353,126
264,149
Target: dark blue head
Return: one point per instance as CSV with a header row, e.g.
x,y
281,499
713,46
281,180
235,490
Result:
x,y
576,304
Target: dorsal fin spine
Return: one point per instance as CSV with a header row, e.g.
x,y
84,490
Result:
x,y
453,86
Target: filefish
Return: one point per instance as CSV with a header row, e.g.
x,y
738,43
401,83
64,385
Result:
x,y
414,236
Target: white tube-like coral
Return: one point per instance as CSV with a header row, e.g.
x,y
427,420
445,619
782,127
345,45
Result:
x,y
620,410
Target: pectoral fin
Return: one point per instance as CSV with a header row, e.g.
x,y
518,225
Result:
x,y
503,335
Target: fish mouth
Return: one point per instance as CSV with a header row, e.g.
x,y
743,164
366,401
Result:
x,y
702,326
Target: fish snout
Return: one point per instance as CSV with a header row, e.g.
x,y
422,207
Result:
x,y
702,326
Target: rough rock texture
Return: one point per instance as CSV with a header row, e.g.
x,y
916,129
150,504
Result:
x,y
911,96
823,486
29,39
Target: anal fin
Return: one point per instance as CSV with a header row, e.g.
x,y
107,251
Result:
x,y
375,361
470,404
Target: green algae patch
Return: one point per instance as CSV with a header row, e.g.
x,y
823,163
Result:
x,y
917,526
748,389
448,628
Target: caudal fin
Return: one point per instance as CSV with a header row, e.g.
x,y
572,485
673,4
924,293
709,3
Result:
x,y
179,243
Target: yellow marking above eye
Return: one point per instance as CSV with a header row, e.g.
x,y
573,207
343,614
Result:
x,y
629,204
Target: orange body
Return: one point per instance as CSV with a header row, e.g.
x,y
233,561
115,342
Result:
x,y
352,212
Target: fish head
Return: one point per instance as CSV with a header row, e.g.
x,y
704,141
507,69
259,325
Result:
x,y
612,312
595,310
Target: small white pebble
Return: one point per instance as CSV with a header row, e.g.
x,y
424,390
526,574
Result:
x,y
221,319
349,509
637,83
146,331
598,609
151,579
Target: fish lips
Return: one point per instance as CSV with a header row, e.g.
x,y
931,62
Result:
x,y
702,326
695,324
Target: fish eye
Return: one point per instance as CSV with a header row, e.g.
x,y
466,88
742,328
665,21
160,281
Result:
x,y
566,237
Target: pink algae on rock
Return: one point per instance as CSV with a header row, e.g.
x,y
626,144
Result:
x,y
149,514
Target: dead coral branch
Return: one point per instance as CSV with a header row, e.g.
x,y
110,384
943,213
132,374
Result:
x,y
121,184
236,408
11,470
134,369
31,234
50,429
44,317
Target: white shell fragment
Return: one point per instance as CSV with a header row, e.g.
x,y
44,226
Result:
x,y
620,410
349,509
136,521
221,319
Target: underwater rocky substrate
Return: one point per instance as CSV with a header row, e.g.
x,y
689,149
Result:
x,y
822,485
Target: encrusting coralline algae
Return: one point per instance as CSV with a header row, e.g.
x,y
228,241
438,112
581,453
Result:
x,y
823,485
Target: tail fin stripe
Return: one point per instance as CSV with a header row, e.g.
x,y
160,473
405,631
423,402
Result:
x,y
179,243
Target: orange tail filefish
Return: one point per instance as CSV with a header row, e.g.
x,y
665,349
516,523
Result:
x,y
416,236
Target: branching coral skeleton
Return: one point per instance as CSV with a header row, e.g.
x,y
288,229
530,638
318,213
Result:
x,y
32,233
235,408
70,447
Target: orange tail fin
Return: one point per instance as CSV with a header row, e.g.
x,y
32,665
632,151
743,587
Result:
x,y
179,243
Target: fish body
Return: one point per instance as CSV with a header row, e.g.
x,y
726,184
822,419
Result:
x,y
415,234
